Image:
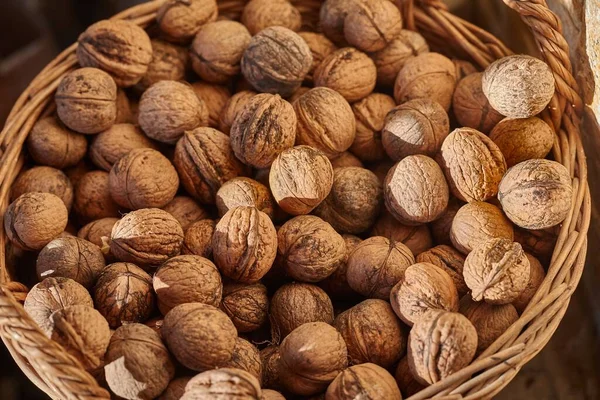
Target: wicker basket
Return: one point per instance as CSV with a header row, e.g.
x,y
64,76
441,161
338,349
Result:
x,y
62,377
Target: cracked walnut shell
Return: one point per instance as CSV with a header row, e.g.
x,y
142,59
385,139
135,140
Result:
x,y
390,60
471,108
367,381
114,143
490,321
522,139
246,304
451,261
370,114
372,25
225,383
53,144
261,14
244,192
44,180
181,20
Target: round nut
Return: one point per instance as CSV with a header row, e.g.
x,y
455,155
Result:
x,y
471,108
268,394
215,97
114,143
367,380
336,284
169,63
233,106
523,139
536,277
246,304
247,358
198,238
346,159
372,25
230,383
245,192
92,197
261,14
186,211
333,14
96,230
416,238
44,180
450,261
404,378
370,114
53,144
390,60
175,389
440,228
320,47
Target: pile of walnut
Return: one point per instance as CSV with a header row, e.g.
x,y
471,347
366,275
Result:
x,y
318,214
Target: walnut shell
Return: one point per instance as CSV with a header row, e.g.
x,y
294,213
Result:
x,y
96,230
336,285
233,106
126,108
471,108
464,68
376,265
215,97
440,228
518,86
53,144
320,47
440,344
198,238
175,389
92,197
261,14
186,211
311,249
200,336
370,114
368,380
44,180
372,25
416,238
246,304
181,20
489,320
270,361
473,164
86,100
540,243
405,380
346,159
226,383
523,139
119,47
114,143
276,61
450,261
536,277
311,357
268,394
390,60
169,63
536,194
244,192
332,17
372,332
247,358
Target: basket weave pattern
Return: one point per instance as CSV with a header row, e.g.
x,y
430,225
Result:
x,y
62,377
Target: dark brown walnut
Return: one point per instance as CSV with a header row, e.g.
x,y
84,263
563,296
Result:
x,y
269,357
114,143
200,336
95,231
187,279
416,238
198,238
407,384
416,127
346,159
146,237
244,244
423,287
372,332
53,144
119,47
354,202
376,265
76,172
233,106
440,228
471,108
440,344
521,139
381,168
92,197
217,50
123,294
336,285
126,109
83,333
349,72
262,129
464,68
268,394
476,222
536,194
186,211
168,109
372,25
332,17
244,192
489,320
540,243
86,100
426,76
34,219
300,179
71,257
310,248
518,86
143,178
295,304
138,365
261,14
472,163
320,47
537,274
215,97
370,114
276,61
44,180
175,389
205,162
246,304
169,63
415,190
450,261
325,121
368,380
181,20
226,383
247,358
53,294
390,60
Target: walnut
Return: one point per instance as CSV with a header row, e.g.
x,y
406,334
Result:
x,y
276,61
268,394
215,97
464,68
86,100
416,238
114,143
200,336
540,243
311,249
96,230
349,72
523,139
225,383
471,108
325,121
156,324
44,180
53,144
416,127
536,194
217,50
77,172
381,168
390,60
368,380
332,17
370,115
518,86
300,179
181,20
354,202
262,129
119,47
198,238
405,380
372,332
428,195
244,244
186,211
138,365
376,265
536,277
440,228
320,47
489,320
269,357
477,222
247,358
169,63
126,108
336,285
146,237
233,106
261,14
450,261
311,357
175,389
169,108
440,344
346,159
92,197
426,76
298,93
246,304
372,25
473,164
205,161
34,219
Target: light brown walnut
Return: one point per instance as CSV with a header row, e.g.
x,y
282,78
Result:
x,y
246,304
368,380
522,139
186,211
169,63
233,106
247,358
270,360
96,230
268,394
390,60
416,238
451,261
126,108
346,159
181,20
53,144
44,180
536,277
92,197
215,97
198,238
77,172
404,378
320,47
489,320
372,25
440,228
244,192
261,14
336,285
332,16
225,383
114,143
471,108
370,114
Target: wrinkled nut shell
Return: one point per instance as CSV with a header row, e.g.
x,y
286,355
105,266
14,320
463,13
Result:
x,y
198,238
346,159
92,197
332,17
451,261
270,360
489,320
320,47
223,383
233,106
112,144
247,358
45,180
440,228
405,380
246,304
181,20
523,139
245,192
416,238
369,114
215,97
471,108
169,63
175,389
336,284
96,230
372,25
536,277
53,144
368,380
261,14
390,60
186,211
